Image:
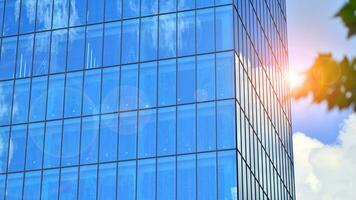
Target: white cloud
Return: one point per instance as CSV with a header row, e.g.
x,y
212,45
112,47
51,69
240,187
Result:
x,y
326,172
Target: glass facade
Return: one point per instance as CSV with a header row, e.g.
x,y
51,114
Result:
x,y
144,99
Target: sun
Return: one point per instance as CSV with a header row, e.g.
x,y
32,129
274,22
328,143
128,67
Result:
x,y
295,79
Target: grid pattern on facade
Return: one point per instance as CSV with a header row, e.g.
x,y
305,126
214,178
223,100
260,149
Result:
x,y
149,99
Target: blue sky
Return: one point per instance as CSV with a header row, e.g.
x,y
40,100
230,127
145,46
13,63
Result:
x,y
312,29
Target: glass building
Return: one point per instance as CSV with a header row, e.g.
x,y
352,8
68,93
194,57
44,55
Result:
x,y
144,99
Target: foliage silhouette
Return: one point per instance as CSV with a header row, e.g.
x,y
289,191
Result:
x,y
331,80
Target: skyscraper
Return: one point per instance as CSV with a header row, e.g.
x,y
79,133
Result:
x,y
144,99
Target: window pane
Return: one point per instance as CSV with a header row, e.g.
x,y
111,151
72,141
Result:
x,y
167,82
20,101
89,140
166,131
59,51
55,97
95,11
167,6
24,56
11,17
166,178
227,188
73,98
148,85
71,140
167,35
207,176
53,140
112,44
186,129
221,2
206,126
130,41
205,30
1,24
147,133
186,173
32,185
8,58
14,186
17,146
146,179
129,87
60,11
113,9
131,8
110,90
91,92
41,56
186,4
149,37
108,137
206,77
44,15
94,44
225,75
149,7
77,12
186,80
6,89
126,180
87,182
76,48
107,181
50,184
34,146
204,3
4,140
127,135
186,33
224,28
27,21
226,124
38,98
69,183
2,176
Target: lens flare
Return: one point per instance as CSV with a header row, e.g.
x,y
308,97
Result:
x,y
295,79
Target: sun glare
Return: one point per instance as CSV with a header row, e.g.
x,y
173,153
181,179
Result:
x,y
295,79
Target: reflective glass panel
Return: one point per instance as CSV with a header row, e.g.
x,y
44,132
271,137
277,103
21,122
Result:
x,y
149,7
91,92
44,15
206,126
89,140
58,51
69,183
4,138
112,44
227,187
11,17
24,56
76,48
126,180
186,80
148,85
226,130
18,147
94,44
107,181
27,21
71,140
149,38
108,137
55,99
95,11
110,90
77,12
32,188
127,135
20,101
207,177
38,98
8,58
166,130
186,134
186,177
167,82
52,146
60,13
14,186
224,28
113,9
41,55
205,30
167,35
129,87
6,88
205,77
50,184
225,75
146,179
166,178
34,150
147,133
73,101
131,8
87,182
130,41
186,33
